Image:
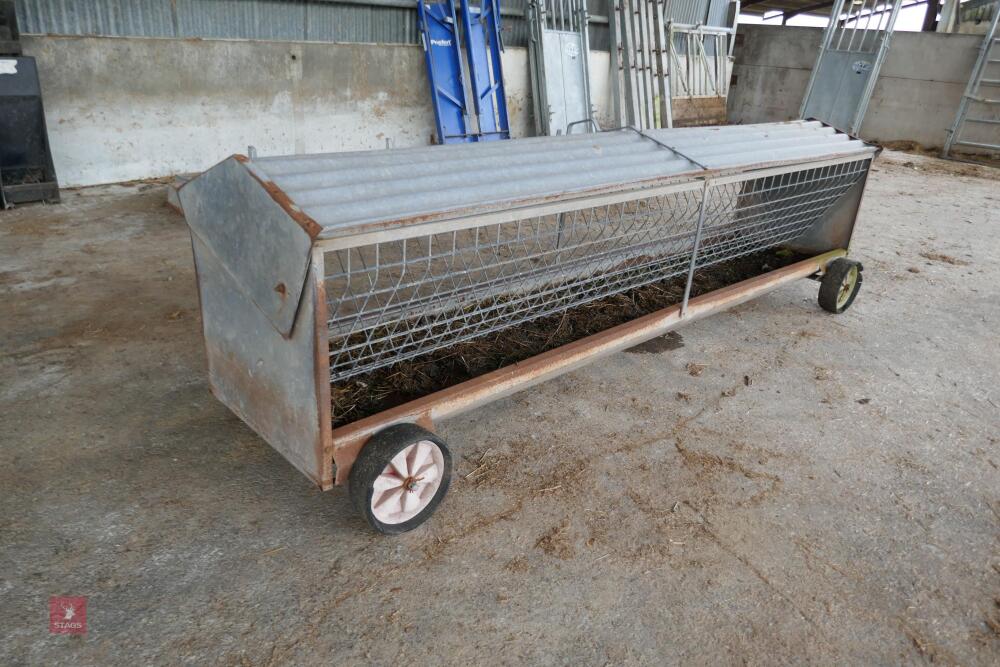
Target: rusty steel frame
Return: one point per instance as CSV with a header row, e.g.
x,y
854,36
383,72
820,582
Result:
x,y
278,380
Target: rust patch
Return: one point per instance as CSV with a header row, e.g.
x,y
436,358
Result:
x,y
348,440
311,227
259,406
321,370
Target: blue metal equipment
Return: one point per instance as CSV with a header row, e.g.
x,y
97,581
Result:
x,y
446,70
439,34
483,46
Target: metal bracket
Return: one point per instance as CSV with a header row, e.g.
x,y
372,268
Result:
x,y
694,251
670,148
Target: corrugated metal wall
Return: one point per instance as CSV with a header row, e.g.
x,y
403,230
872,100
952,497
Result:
x,y
392,21
376,21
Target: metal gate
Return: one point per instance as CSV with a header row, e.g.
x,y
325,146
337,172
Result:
x,y
699,60
656,60
850,57
558,54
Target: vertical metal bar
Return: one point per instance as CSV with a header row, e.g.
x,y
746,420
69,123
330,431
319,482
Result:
x,y
663,61
617,82
694,251
631,80
736,19
699,45
583,23
535,17
640,60
837,26
854,23
868,23
653,70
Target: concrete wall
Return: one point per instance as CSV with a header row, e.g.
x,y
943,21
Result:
x,y
128,108
915,99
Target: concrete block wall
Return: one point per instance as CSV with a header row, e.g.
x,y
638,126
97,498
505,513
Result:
x,y
915,99
120,109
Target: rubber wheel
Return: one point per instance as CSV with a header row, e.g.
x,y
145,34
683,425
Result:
x,y
400,477
840,284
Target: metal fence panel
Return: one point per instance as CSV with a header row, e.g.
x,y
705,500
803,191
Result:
x,y
848,64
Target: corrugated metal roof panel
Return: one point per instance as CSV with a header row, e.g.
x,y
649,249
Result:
x,y
343,190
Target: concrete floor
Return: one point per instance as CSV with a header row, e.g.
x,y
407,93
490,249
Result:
x,y
825,491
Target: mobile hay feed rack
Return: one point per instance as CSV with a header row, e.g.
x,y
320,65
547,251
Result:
x,y
315,269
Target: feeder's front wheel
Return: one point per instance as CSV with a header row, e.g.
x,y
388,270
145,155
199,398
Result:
x,y
400,477
840,284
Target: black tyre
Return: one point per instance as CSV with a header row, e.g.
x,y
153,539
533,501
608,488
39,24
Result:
x,y
840,285
400,477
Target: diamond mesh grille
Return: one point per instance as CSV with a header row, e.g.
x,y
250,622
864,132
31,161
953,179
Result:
x,y
399,299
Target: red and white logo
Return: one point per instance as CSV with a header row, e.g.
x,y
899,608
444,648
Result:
x,y
67,615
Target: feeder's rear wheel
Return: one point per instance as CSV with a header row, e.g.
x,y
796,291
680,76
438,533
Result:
x,y
400,477
840,284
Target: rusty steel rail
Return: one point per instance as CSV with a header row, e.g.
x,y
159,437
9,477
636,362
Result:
x,y
349,439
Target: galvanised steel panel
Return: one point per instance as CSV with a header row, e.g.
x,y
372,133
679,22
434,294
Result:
x,y
340,191
282,20
841,79
687,11
232,210
847,67
268,380
564,80
718,13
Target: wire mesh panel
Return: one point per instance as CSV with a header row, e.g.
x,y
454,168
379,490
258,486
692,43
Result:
x,y
398,299
742,218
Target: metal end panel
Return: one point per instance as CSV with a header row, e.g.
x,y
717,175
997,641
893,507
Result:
x,y
258,235
349,192
268,380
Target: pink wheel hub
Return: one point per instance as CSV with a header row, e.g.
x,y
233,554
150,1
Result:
x,y
408,484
